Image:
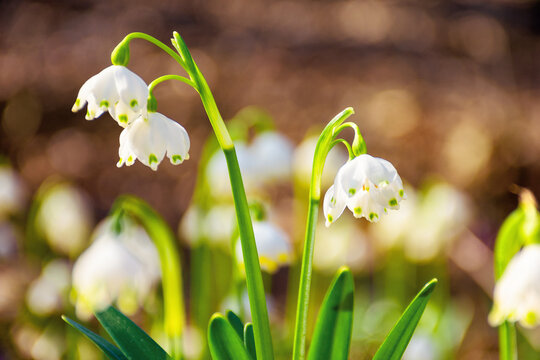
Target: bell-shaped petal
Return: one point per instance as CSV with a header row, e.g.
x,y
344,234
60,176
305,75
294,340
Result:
x,y
272,245
150,138
118,267
517,293
115,89
368,186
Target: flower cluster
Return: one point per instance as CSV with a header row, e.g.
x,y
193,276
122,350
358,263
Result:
x,y
367,185
147,135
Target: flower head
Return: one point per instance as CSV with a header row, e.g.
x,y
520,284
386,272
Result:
x,y
120,268
149,138
368,186
272,245
117,90
517,293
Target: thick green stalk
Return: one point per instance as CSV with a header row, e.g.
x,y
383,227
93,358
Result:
x,y
507,341
257,300
171,271
299,349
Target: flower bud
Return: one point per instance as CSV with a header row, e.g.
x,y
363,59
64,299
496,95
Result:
x,y
120,54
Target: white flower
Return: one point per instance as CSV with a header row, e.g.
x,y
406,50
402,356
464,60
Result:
x,y
121,268
46,294
64,218
149,138
272,245
271,154
368,186
115,89
517,293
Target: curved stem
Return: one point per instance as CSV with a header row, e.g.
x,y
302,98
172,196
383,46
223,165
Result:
x,y
347,145
358,145
327,139
163,78
153,40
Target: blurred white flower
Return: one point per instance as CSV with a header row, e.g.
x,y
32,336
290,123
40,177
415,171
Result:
x,y
115,89
267,160
422,347
46,294
517,293
272,245
427,223
12,192
216,226
303,162
64,218
351,250
121,268
271,154
368,186
149,138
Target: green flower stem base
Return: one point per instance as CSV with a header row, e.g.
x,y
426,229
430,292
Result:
x,y
305,281
507,341
257,300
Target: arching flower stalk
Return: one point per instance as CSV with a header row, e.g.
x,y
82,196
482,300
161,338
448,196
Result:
x,y
149,136
368,186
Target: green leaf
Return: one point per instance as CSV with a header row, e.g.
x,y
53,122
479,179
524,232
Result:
x,y
111,351
131,339
333,329
249,340
508,240
223,340
236,323
397,340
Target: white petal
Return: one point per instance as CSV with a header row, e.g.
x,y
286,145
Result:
x,y
131,89
176,136
333,204
145,140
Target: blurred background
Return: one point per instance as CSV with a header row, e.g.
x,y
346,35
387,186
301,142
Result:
x,y
445,90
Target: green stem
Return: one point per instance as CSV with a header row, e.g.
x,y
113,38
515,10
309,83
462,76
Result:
x,y
171,271
163,78
153,40
326,141
259,314
305,281
507,342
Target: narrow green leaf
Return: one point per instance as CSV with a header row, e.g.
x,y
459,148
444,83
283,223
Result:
x,y
332,334
131,339
508,240
111,351
223,340
236,323
249,340
397,340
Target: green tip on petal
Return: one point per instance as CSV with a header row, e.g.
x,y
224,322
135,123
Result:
x,y
176,159
133,103
358,210
330,218
392,202
104,103
352,191
123,118
373,216
152,159
401,193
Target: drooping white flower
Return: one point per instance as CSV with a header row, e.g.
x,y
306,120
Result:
x,y
272,245
46,294
149,138
118,267
368,186
517,293
115,89
271,154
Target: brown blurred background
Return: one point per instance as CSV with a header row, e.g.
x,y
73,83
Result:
x,y
444,88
